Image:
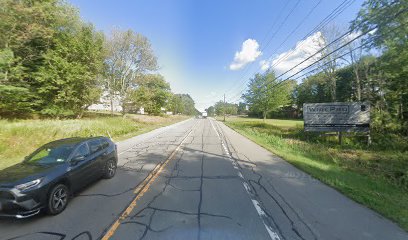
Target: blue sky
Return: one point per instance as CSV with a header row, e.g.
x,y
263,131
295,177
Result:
x,y
196,41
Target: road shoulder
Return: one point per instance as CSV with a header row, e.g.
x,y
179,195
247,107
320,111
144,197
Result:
x,y
301,205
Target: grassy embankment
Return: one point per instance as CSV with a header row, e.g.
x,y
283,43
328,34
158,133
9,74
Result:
x,y
375,176
18,138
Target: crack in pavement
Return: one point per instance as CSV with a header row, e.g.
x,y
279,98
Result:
x,y
61,236
130,169
135,151
258,183
219,177
266,219
201,187
174,174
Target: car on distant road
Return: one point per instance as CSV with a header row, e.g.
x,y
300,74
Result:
x,y
46,179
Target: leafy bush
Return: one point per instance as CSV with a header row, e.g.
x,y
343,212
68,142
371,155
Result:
x,y
15,101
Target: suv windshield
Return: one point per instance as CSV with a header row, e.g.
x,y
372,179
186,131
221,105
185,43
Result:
x,y
50,154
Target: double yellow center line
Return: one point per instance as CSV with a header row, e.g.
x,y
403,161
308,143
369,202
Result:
x,y
143,188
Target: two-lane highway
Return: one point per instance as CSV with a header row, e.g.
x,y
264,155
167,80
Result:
x,y
199,179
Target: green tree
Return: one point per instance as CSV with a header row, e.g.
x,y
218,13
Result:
x,y
153,93
70,79
188,105
242,108
266,94
219,108
312,90
26,32
176,104
50,55
231,109
129,57
15,101
330,54
182,104
228,108
389,37
210,111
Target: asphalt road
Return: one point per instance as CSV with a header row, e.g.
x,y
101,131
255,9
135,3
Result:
x,y
200,180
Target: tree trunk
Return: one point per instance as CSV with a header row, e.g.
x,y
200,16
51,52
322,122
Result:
x,y
6,76
358,87
333,90
80,114
6,73
111,103
123,109
401,108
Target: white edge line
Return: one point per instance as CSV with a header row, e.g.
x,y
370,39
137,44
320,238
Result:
x,y
273,235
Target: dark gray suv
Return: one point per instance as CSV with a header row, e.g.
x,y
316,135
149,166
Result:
x,y
47,178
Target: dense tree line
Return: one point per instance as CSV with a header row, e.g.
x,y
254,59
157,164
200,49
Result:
x,y
182,104
265,94
54,64
220,108
50,61
379,79
376,72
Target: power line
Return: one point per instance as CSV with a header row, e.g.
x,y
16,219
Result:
x,y
327,63
337,39
342,46
339,48
367,31
266,36
282,23
274,34
340,9
333,14
243,80
275,21
299,24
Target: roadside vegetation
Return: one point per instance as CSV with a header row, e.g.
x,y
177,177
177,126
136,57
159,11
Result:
x,y
18,138
371,68
366,62
376,176
56,65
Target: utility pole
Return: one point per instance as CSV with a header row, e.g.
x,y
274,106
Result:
x,y
224,107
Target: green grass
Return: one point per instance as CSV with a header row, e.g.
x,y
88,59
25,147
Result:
x,y
18,138
375,176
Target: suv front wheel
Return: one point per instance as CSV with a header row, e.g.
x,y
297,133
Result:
x,y
58,199
110,169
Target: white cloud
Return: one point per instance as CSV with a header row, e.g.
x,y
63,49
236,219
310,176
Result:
x,y
286,60
249,53
265,64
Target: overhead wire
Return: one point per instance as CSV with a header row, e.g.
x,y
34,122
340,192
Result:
x,y
264,38
243,79
333,14
248,67
337,39
359,36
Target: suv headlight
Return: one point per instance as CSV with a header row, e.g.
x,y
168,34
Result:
x,y
28,185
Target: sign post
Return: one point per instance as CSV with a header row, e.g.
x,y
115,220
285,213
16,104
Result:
x,y
337,117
